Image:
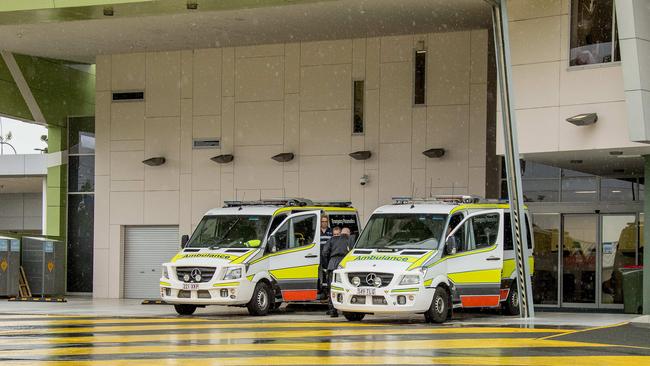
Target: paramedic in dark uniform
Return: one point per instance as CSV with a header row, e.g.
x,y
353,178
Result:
x,y
333,252
325,226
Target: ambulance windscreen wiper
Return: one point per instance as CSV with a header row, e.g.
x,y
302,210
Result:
x,y
223,236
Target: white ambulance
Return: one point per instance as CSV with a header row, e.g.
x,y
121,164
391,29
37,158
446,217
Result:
x,y
428,257
254,254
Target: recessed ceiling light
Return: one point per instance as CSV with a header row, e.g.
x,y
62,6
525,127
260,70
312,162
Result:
x,y
616,153
576,161
108,11
629,156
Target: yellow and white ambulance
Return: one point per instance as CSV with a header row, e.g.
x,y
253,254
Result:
x,y
428,257
254,254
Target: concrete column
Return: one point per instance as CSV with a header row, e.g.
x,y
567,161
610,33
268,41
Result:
x,y
646,240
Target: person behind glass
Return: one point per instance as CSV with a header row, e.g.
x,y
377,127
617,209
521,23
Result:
x,y
333,252
325,226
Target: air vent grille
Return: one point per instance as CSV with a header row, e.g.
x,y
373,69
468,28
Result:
x,y
128,96
206,143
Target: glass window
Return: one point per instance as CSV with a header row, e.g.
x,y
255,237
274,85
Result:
x,y
616,190
546,231
507,233
402,231
579,258
81,173
593,36
277,220
484,231
541,190
304,230
345,220
619,237
228,231
419,94
81,209
357,123
580,189
81,138
281,238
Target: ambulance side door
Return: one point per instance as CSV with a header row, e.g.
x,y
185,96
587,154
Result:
x,y
295,256
474,256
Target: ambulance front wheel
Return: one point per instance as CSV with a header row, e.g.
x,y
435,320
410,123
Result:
x,y
185,309
353,317
439,310
260,303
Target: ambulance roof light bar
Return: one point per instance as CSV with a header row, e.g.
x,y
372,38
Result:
x,y
271,202
449,199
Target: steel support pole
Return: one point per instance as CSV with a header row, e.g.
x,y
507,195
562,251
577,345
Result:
x,y
513,168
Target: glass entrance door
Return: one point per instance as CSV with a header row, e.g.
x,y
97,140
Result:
x,y
579,258
618,248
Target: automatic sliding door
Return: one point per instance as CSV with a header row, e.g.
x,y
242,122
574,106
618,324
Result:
x,y
579,253
619,242
546,231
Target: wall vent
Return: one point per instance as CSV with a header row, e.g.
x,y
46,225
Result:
x,y
128,96
206,143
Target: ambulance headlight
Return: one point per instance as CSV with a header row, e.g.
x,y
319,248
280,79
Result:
x,y
233,273
410,280
165,274
356,281
337,277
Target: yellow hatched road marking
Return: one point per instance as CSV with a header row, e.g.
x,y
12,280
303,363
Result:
x,y
366,360
175,337
485,343
135,328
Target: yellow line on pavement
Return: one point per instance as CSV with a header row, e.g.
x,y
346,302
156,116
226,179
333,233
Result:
x,y
288,333
586,330
137,328
46,322
485,343
366,360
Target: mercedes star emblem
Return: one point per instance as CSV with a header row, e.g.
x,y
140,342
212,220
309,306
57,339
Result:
x,y
196,274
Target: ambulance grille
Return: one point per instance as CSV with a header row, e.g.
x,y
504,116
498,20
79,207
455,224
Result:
x,y
385,278
206,273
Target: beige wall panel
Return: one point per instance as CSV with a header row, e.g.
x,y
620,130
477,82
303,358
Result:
x,y
185,205
228,82
396,103
325,87
259,123
202,202
102,132
373,50
394,171
535,40
206,126
476,181
479,55
163,84
335,185
609,132
356,189
127,121
227,186
254,168
564,38
418,179
187,60
162,139
127,165
525,9
127,208
102,211
206,82
258,79
268,194
538,130
127,145
419,136
260,50
292,184
371,128
103,73
100,272
292,128
127,185
186,136
477,125
370,194
448,68
128,71
359,58
228,130
536,85
292,68
161,208
325,132
115,251
248,194
397,48
205,172
595,85
326,52
448,127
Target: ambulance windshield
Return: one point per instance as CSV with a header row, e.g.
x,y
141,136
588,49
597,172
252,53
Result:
x,y
229,231
402,231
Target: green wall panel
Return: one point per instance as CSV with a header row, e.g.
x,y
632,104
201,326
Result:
x,y
12,103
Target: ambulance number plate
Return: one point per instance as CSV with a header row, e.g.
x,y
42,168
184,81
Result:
x,y
366,291
190,286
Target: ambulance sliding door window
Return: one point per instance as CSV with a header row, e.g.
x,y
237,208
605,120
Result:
x,y
303,230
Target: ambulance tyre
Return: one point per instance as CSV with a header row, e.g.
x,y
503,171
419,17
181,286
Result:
x,y
511,305
439,310
353,317
260,303
185,309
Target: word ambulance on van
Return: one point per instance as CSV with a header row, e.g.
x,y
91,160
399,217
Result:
x,y
254,254
428,257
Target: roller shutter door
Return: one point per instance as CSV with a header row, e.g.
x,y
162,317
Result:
x,y
145,249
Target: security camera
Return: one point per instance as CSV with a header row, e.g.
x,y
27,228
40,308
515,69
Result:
x,y
364,180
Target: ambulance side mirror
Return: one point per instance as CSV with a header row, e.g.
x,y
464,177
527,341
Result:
x,y
184,240
451,245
